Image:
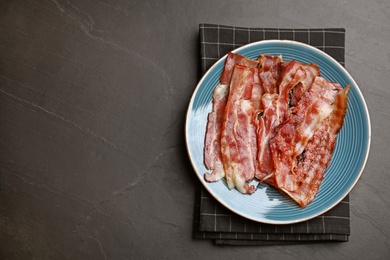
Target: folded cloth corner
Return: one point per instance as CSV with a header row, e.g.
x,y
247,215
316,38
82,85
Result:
x,y
211,219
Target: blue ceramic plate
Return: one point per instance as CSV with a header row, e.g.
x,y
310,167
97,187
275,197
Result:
x,y
267,205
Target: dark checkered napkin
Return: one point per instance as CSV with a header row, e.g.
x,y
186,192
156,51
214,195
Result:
x,y
214,221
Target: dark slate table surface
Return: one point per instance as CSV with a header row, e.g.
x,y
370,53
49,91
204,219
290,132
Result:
x,y
93,96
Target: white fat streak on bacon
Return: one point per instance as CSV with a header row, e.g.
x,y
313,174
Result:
x,y
257,92
315,114
245,135
293,135
212,153
238,140
317,111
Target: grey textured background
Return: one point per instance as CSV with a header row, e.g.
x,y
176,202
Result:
x,y
93,96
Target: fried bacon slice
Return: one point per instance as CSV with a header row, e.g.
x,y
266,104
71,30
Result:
x,y
312,71
269,72
212,150
275,107
293,134
339,110
266,125
312,164
316,105
238,138
315,159
304,135
289,78
233,59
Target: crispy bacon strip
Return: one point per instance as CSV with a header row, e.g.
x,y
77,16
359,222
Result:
x,y
233,59
315,107
269,72
312,71
303,136
275,107
292,136
289,78
339,110
313,162
212,150
238,139
267,123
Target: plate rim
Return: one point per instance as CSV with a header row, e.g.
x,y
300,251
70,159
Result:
x,y
322,53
